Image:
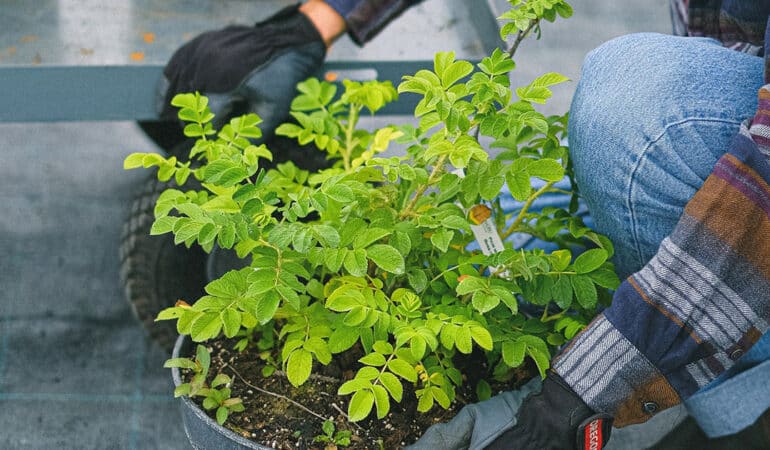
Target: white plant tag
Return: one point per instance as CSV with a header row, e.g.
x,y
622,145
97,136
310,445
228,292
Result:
x,y
484,229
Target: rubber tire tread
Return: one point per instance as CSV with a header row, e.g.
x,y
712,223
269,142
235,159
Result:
x,y
154,272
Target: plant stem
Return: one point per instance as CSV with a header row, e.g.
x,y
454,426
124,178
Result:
x,y
547,318
437,168
274,394
525,208
520,37
352,121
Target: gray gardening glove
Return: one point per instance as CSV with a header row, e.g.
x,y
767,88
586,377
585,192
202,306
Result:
x,y
244,69
479,424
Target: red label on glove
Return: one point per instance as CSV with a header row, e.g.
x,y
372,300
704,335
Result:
x,y
593,435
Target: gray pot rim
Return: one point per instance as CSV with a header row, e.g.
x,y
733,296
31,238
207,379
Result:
x,y
201,415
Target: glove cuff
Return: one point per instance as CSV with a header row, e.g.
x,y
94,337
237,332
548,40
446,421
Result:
x,y
369,17
594,432
293,27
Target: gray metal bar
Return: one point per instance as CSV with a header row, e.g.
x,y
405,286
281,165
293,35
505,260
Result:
x,y
76,93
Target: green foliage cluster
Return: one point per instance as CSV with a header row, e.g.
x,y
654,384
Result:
x,y
215,394
375,253
332,437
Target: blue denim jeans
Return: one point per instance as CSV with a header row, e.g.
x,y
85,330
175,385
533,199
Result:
x,y
650,117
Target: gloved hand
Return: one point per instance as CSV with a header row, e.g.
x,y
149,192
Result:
x,y
244,69
556,418
553,418
478,424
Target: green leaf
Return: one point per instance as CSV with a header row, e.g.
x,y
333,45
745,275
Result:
x,y
418,346
355,262
356,316
403,369
203,357
163,225
367,373
342,338
206,326
518,184
220,379
606,278
393,385
340,193
289,295
230,285
546,169
585,291
224,172
425,403
507,297
386,257
418,280
485,301
463,340
513,353
334,258
561,291
182,363
319,348
381,401
456,71
182,389
483,390
440,396
482,337
354,385
299,366
326,235
133,161
266,307
564,10
590,260
441,239
561,259
549,79
569,326
470,284
383,347
231,322
370,236
222,414
360,405
373,359
541,358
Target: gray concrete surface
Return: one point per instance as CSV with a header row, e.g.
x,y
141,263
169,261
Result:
x,y
75,368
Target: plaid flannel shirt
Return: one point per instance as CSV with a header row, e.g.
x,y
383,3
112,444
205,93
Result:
x,y
704,299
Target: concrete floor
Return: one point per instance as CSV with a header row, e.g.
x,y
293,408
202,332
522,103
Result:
x,y
76,370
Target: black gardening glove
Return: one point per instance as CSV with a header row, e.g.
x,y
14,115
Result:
x,y
246,69
555,418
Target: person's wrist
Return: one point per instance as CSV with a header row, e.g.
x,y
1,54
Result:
x,y
329,23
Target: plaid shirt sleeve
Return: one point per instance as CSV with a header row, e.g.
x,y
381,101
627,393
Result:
x,y
697,306
704,299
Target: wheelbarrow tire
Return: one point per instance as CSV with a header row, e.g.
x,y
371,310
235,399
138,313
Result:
x,y
154,272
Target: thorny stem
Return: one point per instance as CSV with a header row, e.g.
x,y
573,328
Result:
x,y
437,168
525,208
521,35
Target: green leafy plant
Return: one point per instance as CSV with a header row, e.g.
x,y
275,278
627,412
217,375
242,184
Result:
x,y
399,259
331,438
214,396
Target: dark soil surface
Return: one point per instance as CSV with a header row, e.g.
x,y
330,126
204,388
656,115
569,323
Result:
x,y
276,412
